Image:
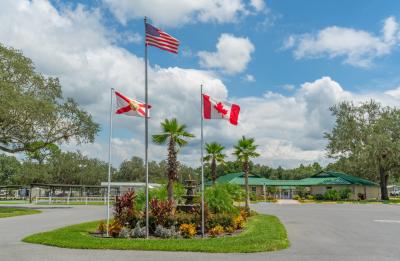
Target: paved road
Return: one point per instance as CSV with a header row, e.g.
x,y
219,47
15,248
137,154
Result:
x,y
317,232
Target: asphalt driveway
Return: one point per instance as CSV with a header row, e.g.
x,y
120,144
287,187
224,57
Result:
x,y
317,232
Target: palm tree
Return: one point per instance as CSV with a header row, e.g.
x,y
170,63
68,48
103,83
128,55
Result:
x,y
214,150
245,149
173,133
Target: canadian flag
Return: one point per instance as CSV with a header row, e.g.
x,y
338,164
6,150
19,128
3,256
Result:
x,y
222,110
131,107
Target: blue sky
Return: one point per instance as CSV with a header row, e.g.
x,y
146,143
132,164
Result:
x,y
284,62
271,66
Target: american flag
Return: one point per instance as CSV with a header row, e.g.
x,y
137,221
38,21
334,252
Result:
x,y
160,39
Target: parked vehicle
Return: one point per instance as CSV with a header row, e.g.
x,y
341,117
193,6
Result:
x,y
395,193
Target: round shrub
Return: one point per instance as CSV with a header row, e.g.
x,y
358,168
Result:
x,y
239,222
223,219
187,230
166,232
215,231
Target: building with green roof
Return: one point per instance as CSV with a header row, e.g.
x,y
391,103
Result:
x,y
318,183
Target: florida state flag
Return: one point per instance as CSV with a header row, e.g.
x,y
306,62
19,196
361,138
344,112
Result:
x,y
131,107
221,110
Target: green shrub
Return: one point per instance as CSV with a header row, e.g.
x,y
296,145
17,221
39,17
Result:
x,y
223,219
237,192
253,196
296,197
186,218
219,200
319,197
332,194
301,192
310,197
160,194
344,193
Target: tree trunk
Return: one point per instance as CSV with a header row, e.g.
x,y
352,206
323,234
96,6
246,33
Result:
x,y
170,189
246,184
213,171
172,168
383,182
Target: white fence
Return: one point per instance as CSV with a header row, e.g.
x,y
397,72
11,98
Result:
x,y
72,200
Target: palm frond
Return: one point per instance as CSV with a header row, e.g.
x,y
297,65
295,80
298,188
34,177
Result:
x,y
160,138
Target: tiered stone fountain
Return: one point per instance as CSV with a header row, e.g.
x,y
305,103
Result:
x,y
189,205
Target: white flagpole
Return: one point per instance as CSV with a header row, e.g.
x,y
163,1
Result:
x,y
109,162
202,164
146,133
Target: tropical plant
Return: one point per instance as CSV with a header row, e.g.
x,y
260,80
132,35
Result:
x,y
239,222
174,134
245,149
124,211
214,156
161,210
187,230
101,229
114,228
236,191
216,231
219,200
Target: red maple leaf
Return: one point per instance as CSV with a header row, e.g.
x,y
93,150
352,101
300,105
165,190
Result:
x,y
220,108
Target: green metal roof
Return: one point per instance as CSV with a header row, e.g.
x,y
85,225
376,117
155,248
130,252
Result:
x,y
321,178
228,177
346,177
238,178
252,181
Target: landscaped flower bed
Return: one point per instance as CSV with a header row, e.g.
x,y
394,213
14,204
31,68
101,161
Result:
x,y
222,218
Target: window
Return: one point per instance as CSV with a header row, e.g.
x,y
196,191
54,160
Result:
x,y
254,189
328,188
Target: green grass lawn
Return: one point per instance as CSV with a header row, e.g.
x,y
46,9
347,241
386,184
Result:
x,y
8,202
12,212
74,203
262,233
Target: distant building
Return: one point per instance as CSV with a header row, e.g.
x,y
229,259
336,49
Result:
x,y
314,185
393,190
122,187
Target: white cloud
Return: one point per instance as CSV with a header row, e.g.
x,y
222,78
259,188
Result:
x,y
258,5
75,46
359,48
232,55
249,78
288,87
180,11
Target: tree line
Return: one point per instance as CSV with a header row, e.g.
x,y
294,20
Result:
x,y
35,118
